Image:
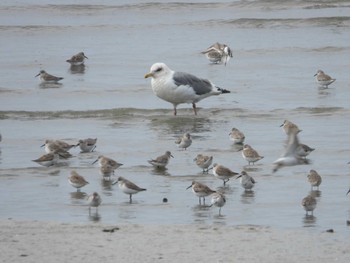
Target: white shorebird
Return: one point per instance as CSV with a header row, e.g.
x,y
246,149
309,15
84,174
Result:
x,y
128,187
179,87
185,141
162,160
94,200
290,156
236,136
246,181
250,154
46,77
76,180
323,79
314,179
223,173
77,59
87,145
203,161
200,190
218,53
219,200
309,204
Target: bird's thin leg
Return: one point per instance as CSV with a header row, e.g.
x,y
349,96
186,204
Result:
x,y
130,199
175,112
194,108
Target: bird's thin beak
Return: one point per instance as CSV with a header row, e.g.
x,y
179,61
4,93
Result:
x,y
189,187
315,75
37,75
348,192
86,57
238,176
171,156
95,161
281,124
42,145
148,75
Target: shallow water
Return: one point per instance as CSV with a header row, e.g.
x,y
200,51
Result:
x,y
277,46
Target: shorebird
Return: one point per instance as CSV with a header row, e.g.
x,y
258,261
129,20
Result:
x,y
77,180
203,161
77,59
162,160
250,155
200,190
323,79
223,173
46,77
218,53
219,200
56,145
105,161
94,200
128,187
303,150
179,87
185,141
87,145
48,159
309,204
290,156
290,127
236,136
314,179
246,181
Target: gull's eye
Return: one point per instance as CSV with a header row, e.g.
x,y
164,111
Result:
x,y
158,69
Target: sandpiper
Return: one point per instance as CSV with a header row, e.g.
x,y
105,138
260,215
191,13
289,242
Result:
x,y
94,200
45,77
77,59
236,136
105,161
48,159
303,150
246,181
87,145
309,204
200,190
314,179
77,180
56,145
218,53
322,79
290,127
162,160
203,161
128,187
218,199
223,173
250,155
185,141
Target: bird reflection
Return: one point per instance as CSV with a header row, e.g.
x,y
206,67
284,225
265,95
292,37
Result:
x,y
50,85
94,216
309,220
78,195
77,69
315,193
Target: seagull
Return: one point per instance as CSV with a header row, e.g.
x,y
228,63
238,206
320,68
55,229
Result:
x,y
218,53
180,87
46,77
290,157
323,79
77,59
161,161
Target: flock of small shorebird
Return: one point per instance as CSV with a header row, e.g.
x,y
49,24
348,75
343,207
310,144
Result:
x,y
177,88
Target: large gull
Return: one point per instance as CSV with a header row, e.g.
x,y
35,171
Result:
x,y
180,87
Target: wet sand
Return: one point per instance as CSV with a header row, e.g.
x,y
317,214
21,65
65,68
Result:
x,y
23,241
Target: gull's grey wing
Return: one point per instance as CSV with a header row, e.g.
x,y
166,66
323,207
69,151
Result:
x,y
200,86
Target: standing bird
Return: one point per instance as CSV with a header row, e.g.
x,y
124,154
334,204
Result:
x,y
57,145
323,79
290,127
314,179
87,145
219,200
128,187
303,150
200,190
77,180
185,141
46,77
223,173
94,200
203,161
246,181
161,161
48,159
237,136
218,53
179,87
77,59
105,161
250,155
309,204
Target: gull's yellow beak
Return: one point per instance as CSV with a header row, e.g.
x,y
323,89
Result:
x,y
148,75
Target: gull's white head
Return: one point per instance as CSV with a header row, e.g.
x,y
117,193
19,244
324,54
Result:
x,y
158,70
